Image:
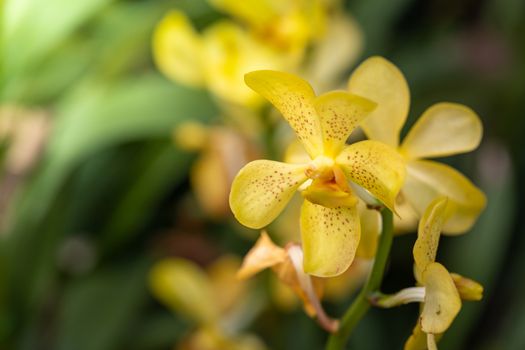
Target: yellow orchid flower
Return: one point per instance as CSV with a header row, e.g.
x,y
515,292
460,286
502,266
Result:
x,y
443,290
287,263
442,301
444,129
439,291
370,218
330,227
208,298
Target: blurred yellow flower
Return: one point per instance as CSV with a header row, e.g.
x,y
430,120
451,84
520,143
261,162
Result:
x,y
216,59
289,26
287,263
223,152
264,34
210,299
444,129
330,227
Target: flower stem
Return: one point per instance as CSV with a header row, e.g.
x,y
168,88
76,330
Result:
x,y
360,306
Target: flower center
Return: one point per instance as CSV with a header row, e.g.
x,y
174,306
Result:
x,y
321,168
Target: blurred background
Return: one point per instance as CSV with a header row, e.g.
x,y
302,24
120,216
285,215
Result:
x,y
112,161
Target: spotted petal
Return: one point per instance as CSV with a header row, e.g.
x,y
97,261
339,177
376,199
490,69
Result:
x,y
427,180
443,130
261,190
330,238
293,97
442,302
340,112
376,167
177,49
380,81
429,230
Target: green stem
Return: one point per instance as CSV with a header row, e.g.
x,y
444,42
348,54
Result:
x,y
360,306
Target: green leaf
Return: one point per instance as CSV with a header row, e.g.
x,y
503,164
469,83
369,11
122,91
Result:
x,y
97,311
102,115
116,41
377,17
31,28
160,168
94,119
157,331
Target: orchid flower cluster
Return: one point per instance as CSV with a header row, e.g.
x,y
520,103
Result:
x,y
256,34
381,175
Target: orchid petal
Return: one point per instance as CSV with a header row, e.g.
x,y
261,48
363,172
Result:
x,y
468,289
443,130
442,302
330,238
230,52
427,180
381,81
227,287
195,300
340,113
264,254
429,230
334,54
261,190
177,49
417,340
293,97
376,167
407,219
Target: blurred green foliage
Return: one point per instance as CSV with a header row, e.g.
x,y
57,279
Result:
x,y
83,227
